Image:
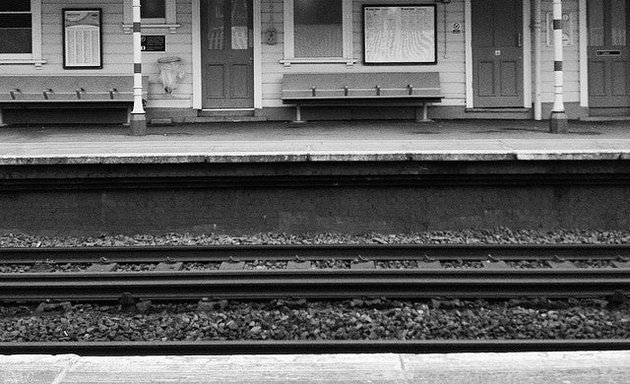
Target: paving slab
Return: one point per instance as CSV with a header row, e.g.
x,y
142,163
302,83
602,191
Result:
x,y
465,140
518,368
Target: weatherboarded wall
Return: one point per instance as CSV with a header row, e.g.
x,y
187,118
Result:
x,y
450,53
117,51
117,48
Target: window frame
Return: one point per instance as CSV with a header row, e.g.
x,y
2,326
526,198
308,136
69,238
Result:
x,y
169,22
158,20
289,38
35,57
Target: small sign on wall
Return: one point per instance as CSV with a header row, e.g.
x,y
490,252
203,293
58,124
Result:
x,y
153,43
567,29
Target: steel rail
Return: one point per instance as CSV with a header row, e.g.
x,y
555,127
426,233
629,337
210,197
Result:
x,y
406,283
309,347
314,252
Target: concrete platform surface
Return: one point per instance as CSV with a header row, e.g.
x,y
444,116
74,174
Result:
x,y
317,141
519,368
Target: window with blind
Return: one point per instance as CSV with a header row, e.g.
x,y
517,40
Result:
x,y
155,14
318,28
16,27
153,10
318,31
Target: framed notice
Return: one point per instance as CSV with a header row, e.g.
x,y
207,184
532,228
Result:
x,y
399,34
82,39
153,43
567,29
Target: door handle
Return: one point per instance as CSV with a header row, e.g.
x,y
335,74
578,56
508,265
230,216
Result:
x,y
519,40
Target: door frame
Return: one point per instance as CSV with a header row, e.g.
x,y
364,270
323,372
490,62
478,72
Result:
x,y
197,97
583,53
527,54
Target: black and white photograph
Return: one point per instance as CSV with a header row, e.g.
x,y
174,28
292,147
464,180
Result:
x,y
315,191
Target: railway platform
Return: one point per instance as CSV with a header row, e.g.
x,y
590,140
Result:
x,y
521,368
352,177
360,141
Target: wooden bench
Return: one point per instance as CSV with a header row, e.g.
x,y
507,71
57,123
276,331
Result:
x,y
362,89
67,92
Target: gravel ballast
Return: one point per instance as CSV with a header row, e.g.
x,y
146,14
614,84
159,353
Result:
x,y
376,319
487,236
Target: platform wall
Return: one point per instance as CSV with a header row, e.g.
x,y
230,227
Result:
x,y
386,197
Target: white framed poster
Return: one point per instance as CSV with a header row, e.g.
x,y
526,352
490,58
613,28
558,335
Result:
x,y
82,39
399,34
567,29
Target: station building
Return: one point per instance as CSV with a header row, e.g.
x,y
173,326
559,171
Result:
x,y
205,60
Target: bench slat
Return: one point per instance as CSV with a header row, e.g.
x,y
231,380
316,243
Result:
x,y
67,87
403,80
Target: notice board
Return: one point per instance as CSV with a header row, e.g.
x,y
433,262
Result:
x,y
82,45
399,34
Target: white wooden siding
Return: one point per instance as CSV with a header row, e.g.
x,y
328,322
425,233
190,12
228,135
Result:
x,y
451,57
450,61
571,60
118,58
117,48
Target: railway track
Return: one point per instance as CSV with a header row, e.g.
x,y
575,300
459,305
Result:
x,y
491,277
315,252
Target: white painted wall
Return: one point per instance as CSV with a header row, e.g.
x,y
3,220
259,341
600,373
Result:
x,y
117,52
451,57
450,65
117,48
571,56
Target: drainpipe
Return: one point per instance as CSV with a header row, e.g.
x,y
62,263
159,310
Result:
x,y
138,121
558,122
538,60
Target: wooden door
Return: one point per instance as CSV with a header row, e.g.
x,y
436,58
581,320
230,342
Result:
x,y
608,54
497,36
227,54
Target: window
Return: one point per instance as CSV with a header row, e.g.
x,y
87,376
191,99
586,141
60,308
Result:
x,y
156,14
318,28
318,31
16,27
20,32
153,10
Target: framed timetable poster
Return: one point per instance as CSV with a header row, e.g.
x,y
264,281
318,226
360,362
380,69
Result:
x,y
82,44
399,34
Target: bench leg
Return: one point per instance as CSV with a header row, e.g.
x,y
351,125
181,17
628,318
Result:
x,y
298,116
128,123
2,124
425,114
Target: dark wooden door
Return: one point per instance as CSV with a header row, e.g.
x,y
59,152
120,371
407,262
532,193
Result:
x,y
227,53
497,28
608,54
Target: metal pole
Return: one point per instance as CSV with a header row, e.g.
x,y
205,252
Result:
x,y
538,60
558,122
138,121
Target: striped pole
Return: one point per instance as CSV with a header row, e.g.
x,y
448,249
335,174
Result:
x,y
538,59
558,122
138,120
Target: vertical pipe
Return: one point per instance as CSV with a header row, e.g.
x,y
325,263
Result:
x,y
558,123
537,60
138,122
